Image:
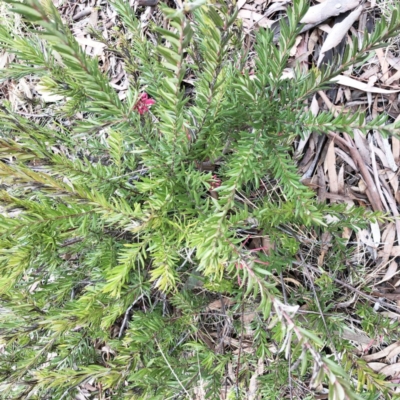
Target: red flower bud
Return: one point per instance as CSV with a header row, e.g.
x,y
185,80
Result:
x,y
143,104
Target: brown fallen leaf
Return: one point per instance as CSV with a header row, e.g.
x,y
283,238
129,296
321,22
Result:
x,y
220,304
330,167
326,239
388,238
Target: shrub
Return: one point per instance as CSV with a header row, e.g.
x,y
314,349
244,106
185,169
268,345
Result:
x,y
124,218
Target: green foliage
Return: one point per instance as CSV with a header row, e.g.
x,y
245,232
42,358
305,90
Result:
x,y
113,235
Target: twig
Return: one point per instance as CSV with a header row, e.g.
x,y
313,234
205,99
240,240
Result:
x,y
173,372
240,347
319,308
290,354
125,320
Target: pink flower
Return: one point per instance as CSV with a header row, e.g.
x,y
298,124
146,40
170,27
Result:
x,y
215,182
143,104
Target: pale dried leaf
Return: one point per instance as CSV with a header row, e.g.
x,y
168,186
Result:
x,y
251,18
346,304
293,50
390,370
376,366
394,77
341,180
347,232
330,166
394,353
267,244
388,238
390,314
376,233
4,58
365,237
314,108
291,280
362,146
46,95
33,286
346,158
240,4
389,155
327,9
393,207
382,353
252,392
25,88
347,81
88,42
81,14
370,72
247,319
94,17
378,187
312,41
382,156
80,396
278,6
391,272
384,65
338,32
393,180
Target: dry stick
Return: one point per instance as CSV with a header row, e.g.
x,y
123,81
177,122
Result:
x,y
171,369
317,357
372,191
240,345
320,309
125,320
290,354
353,289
